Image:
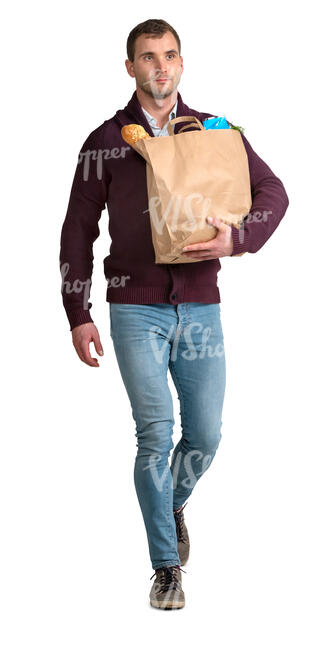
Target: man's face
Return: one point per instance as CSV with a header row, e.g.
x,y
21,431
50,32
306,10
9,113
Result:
x,y
157,65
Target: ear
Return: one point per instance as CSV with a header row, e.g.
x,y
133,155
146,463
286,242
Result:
x,y
130,68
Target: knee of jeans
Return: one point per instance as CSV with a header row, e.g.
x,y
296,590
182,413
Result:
x,y
215,441
207,442
211,441
154,440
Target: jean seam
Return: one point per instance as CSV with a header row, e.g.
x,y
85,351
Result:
x,y
180,391
168,507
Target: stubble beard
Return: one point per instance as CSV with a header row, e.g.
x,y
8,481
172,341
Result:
x,y
150,87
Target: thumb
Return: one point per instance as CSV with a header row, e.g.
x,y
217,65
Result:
x,y
218,223
97,344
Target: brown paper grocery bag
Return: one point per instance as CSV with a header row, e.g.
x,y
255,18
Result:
x,y
191,176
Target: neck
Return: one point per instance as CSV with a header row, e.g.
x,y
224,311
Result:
x,y
158,108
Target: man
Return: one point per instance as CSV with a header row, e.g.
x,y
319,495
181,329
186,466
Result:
x,y
162,316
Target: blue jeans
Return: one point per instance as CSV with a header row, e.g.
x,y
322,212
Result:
x,y
188,339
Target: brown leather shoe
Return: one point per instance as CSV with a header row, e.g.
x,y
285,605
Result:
x,y
182,535
166,591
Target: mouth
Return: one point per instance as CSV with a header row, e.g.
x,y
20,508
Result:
x,y
160,80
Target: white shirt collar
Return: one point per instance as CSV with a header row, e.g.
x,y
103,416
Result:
x,y
152,120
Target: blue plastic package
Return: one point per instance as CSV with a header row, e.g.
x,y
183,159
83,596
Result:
x,y
216,123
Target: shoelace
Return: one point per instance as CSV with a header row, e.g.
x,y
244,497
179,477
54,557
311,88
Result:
x,y
179,522
168,578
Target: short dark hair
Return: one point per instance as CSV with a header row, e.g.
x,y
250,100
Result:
x,y
154,27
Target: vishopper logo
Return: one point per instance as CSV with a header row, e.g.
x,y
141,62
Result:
x,y
196,207
252,217
117,281
83,287
192,351
157,91
77,286
179,205
191,478
99,155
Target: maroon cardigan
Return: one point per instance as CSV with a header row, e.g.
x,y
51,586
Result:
x,y
111,174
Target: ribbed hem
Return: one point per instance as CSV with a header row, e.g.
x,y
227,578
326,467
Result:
x,y
207,294
148,295
138,295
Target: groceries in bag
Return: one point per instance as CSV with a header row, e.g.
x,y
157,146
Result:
x,y
192,175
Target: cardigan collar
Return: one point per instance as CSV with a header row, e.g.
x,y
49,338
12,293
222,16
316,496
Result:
x,y
133,114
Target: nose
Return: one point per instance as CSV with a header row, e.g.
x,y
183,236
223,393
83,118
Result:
x,y
161,69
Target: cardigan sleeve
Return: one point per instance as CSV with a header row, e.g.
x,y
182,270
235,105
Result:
x,y
269,204
80,229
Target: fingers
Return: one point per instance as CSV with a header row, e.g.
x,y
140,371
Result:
x,y
203,246
199,253
85,355
82,336
204,258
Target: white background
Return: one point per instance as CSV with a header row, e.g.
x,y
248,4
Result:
x,y
75,568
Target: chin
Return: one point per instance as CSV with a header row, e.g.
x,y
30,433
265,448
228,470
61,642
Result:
x,y
157,94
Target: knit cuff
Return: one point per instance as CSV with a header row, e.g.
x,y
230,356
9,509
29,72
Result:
x,y
240,244
79,317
